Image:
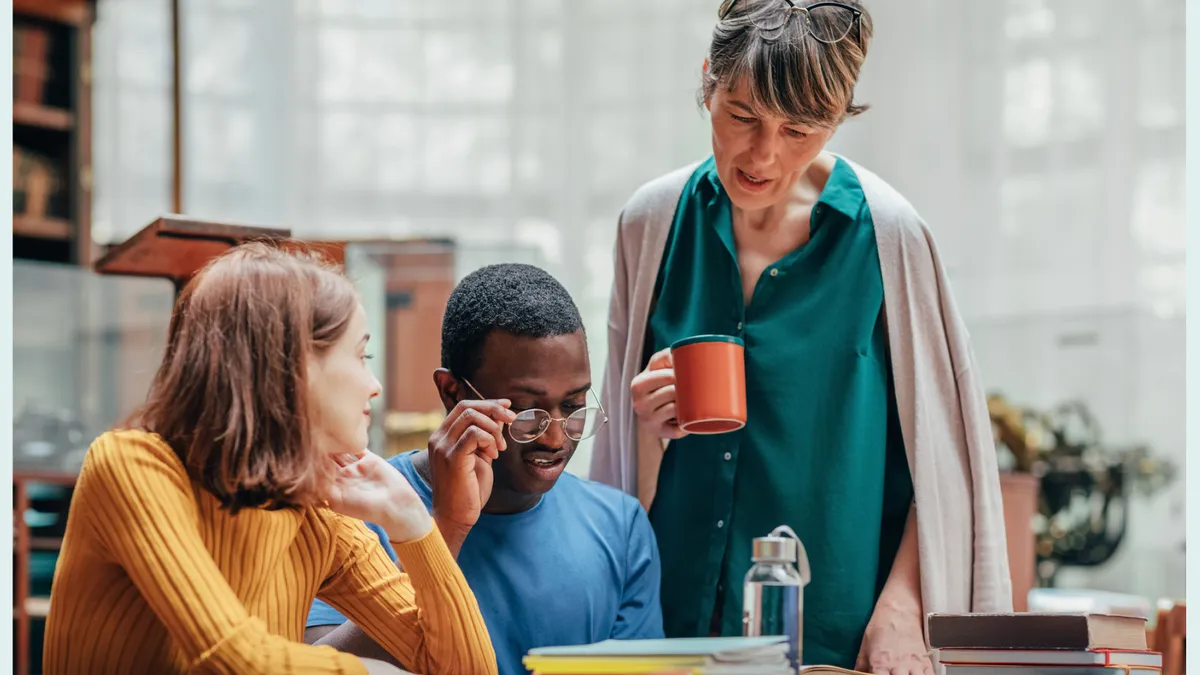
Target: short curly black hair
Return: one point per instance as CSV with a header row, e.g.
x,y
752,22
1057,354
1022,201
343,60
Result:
x,y
521,299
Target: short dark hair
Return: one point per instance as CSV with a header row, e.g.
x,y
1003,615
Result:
x,y
521,299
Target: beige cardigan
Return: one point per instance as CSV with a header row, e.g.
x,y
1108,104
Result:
x,y
942,407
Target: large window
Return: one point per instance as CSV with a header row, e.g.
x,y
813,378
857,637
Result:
x,y
1041,139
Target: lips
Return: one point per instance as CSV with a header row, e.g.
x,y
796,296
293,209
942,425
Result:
x,y
545,465
543,456
751,182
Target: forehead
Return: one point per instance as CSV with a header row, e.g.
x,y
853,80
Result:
x,y
740,95
356,328
556,363
789,104
743,95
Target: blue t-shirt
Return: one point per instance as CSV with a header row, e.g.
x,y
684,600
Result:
x,y
580,567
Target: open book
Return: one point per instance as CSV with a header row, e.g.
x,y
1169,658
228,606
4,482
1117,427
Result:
x,y
691,656
724,649
753,656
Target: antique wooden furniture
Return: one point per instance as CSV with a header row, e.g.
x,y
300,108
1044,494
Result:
x,y
28,608
1169,636
52,190
52,130
175,247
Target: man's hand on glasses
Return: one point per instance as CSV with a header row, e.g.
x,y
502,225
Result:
x,y
461,451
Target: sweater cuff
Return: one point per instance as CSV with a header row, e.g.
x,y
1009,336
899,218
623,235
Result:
x,y
427,557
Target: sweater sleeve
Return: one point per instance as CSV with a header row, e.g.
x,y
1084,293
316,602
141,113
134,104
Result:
x,y
140,499
607,463
425,616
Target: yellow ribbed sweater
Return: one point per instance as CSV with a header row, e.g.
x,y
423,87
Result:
x,y
154,577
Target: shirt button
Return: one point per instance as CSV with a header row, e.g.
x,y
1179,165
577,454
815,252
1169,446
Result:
x,y
774,272
728,456
739,325
720,524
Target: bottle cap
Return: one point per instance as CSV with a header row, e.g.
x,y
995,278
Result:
x,y
783,546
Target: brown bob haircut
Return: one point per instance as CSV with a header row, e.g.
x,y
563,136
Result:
x,y
230,396
789,73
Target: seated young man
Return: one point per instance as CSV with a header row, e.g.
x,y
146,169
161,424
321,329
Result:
x,y
551,558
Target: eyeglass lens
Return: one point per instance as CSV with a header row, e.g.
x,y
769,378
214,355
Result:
x,y
530,424
826,23
829,23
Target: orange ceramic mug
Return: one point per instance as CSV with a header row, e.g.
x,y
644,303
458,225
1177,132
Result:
x,y
710,383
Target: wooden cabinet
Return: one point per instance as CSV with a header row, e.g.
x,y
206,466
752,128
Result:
x,y
52,130
52,195
418,286
27,607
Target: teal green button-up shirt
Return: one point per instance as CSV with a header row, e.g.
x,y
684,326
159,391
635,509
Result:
x,y
821,450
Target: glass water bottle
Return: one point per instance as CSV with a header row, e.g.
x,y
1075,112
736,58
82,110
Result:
x,y
773,596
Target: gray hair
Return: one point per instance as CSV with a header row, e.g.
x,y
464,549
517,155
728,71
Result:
x,y
790,73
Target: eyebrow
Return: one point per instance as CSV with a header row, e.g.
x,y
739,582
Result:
x,y
524,389
363,340
746,107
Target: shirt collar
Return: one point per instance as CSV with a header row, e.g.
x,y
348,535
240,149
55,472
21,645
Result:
x,y
842,193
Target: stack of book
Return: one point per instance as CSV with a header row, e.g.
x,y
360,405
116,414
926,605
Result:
x,y
681,656
1041,644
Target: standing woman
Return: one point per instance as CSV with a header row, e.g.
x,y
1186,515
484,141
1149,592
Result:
x,y
197,540
868,430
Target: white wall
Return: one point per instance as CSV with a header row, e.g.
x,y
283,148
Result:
x,y
1043,142
1041,139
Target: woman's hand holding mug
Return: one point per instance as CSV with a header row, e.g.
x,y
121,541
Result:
x,y
654,396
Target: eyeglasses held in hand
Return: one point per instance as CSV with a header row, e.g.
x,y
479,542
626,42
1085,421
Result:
x,y
826,22
531,424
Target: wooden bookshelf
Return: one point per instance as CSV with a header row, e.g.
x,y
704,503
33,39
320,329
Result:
x,y
38,608
70,12
35,608
54,229
26,607
52,156
43,117
52,134
45,543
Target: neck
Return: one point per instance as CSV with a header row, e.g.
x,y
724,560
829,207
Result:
x,y
506,502
798,202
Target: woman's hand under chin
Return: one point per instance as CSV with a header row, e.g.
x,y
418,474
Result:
x,y
367,488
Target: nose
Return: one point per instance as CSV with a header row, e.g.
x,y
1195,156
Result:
x,y
376,387
765,145
554,436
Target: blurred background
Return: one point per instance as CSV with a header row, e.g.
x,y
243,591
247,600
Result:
x,y
1042,141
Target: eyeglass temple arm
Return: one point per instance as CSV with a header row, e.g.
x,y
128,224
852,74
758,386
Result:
x,y
599,403
473,389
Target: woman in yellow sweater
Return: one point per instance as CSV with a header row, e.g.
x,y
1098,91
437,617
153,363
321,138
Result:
x,y
197,540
